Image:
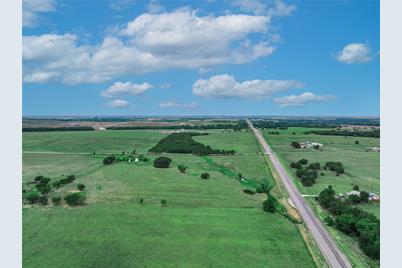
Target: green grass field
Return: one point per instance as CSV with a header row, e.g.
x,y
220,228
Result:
x,y
361,168
205,223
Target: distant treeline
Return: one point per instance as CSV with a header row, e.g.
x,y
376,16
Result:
x,y
184,143
42,129
313,123
239,126
375,133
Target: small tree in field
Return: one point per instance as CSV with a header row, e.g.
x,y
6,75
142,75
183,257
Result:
x,y
205,176
182,168
56,200
162,162
75,199
81,186
163,202
32,197
269,205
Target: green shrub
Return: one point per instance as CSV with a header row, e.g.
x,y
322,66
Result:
x,y
162,162
163,202
269,205
182,168
108,160
75,199
43,200
56,200
32,197
205,176
81,186
303,161
248,191
141,200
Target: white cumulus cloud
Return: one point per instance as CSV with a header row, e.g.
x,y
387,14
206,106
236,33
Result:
x,y
125,88
118,103
354,53
32,8
40,77
180,39
173,104
276,8
302,99
224,85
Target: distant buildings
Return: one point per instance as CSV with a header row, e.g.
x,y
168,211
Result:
x,y
308,145
373,149
372,196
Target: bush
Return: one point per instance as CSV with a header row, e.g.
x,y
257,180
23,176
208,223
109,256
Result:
x,y
364,196
335,166
108,160
182,168
32,197
269,205
357,142
81,186
356,187
205,176
303,161
329,220
162,162
41,179
56,200
43,200
163,202
248,191
295,144
141,200
295,165
315,166
43,188
75,199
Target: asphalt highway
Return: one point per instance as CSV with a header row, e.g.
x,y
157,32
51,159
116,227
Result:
x,y
334,257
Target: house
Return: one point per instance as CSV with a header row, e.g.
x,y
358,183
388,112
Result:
x,y
353,193
307,145
374,197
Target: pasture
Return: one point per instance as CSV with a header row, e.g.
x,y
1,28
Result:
x,y
205,223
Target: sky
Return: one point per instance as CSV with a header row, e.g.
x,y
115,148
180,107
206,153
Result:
x,y
249,57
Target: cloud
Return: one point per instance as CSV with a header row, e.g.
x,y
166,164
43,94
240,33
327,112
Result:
x,y
118,103
155,7
302,99
172,104
354,53
181,39
224,86
119,5
40,77
125,88
259,7
32,8
165,85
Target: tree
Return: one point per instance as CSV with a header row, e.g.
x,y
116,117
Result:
x,y
356,187
32,197
303,161
315,166
248,191
108,160
295,165
141,200
81,186
354,199
75,199
182,168
163,202
357,142
295,144
56,200
329,220
162,162
43,200
43,188
205,176
269,204
364,196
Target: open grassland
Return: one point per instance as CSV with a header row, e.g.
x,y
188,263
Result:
x,y
361,168
205,223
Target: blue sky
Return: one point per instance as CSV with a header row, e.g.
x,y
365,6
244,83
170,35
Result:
x,y
132,57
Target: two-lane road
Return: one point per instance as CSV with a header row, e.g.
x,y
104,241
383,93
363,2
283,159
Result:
x,y
331,252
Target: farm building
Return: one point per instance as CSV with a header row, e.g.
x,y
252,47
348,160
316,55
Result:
x,y
353,193
374,197
373,149
307,145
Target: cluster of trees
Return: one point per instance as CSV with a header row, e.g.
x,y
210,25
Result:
x,y
273,132
352,221
337,167
185,144
75,199
43,188
306,174
43,129
248,191
276,123
375,133
162,162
